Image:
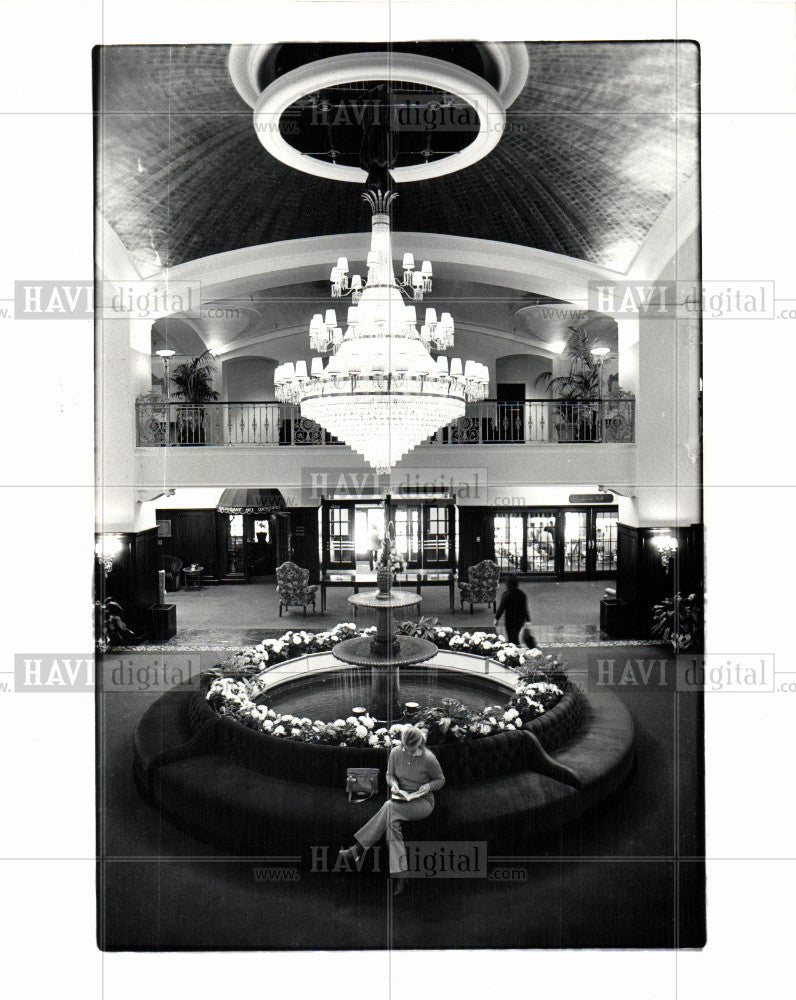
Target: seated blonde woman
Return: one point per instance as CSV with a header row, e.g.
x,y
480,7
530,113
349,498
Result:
x,y
413,775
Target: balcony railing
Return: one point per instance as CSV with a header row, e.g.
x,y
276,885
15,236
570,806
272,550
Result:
x,y
251,425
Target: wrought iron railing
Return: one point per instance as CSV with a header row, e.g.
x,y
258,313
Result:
x,y
532,421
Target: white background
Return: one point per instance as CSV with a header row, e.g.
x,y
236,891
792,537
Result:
x,y
47,833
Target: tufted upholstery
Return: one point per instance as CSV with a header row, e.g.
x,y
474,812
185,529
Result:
x,y
293,587
318,764
482,585
211,778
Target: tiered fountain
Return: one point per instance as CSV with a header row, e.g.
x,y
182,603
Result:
x,y
385,653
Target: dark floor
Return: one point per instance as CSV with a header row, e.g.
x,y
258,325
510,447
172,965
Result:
x,y
626,875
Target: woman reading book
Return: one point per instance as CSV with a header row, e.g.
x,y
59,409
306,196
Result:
x,y
413,775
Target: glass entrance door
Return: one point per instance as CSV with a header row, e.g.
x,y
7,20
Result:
x,y
509,542
540,543
368,536
407,535
576,542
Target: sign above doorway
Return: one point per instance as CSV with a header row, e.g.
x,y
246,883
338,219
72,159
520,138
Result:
x,y
591,498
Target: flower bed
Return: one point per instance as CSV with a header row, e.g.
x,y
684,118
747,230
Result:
x,y
237,684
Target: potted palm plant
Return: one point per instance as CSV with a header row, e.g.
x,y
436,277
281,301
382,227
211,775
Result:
x,y
581,384
193,381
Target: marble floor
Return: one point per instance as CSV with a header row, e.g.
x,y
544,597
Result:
x,y
231,615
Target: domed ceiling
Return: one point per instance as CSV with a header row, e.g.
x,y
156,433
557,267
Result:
x,y
595,146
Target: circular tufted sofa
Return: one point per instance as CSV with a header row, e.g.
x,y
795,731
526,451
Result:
x,y
250,792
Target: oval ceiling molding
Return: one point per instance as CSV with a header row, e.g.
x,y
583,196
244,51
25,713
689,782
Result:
x,y
422,70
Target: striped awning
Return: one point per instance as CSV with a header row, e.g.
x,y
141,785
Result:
x,y
251,501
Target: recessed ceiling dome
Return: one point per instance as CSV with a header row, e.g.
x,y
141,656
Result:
x,y
447,102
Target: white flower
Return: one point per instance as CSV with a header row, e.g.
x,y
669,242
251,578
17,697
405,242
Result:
x,y
518,723
373,740
338,723
352,721
367,721
267,725
511,714
361,732
279,731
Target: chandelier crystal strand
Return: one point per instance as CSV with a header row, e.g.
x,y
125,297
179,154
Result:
x,y
381,392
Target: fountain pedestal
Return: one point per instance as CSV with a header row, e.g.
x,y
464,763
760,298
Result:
x,y
385,653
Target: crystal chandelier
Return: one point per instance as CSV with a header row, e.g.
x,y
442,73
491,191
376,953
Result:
x,y
381,392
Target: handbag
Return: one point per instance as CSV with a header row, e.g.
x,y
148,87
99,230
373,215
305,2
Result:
x,y
527,637
361,783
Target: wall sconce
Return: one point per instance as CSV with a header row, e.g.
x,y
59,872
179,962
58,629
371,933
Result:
x,y
666,546
107,547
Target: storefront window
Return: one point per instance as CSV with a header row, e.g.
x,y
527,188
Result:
x,y
436,542
341,544
605,541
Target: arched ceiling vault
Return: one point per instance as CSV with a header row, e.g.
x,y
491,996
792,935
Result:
x,y
596,146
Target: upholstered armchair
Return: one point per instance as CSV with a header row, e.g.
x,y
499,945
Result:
x,y
173,567
293,587
482,584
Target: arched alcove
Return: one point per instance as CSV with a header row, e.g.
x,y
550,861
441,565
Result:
x,y
522,369
248,379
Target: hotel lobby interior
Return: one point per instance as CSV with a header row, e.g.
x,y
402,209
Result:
x,y
383,339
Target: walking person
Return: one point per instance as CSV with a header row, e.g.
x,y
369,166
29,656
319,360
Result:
x,y
413,775
374,546
514,605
